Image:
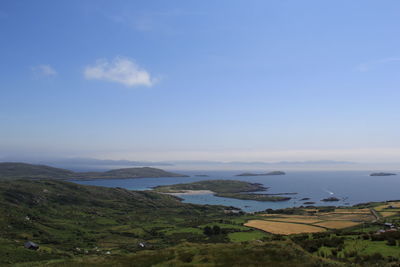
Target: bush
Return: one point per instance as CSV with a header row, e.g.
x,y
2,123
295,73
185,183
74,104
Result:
x,y
391,242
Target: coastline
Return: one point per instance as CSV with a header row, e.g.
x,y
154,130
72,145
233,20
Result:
x,y
190,192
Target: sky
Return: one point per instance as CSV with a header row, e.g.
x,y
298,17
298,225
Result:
x,y
219,80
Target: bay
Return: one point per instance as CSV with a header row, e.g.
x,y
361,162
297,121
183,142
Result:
x,y
351,187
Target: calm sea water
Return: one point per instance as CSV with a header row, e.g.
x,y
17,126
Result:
x,y
352,187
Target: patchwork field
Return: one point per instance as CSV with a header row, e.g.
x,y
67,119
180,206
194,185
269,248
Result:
x,y
388,213
394,205
311,221
356,217
283,228
337,224
296,220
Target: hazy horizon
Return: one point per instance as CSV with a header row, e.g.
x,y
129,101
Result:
x,y
183,80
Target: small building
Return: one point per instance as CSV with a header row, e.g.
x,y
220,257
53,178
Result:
x,y
389,225
31,245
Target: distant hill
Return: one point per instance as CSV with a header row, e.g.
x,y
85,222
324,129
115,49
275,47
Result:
x,y
143,172
382,174
262,174
16,170
23,170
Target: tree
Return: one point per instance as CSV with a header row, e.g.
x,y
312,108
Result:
x,y
208,231
216,230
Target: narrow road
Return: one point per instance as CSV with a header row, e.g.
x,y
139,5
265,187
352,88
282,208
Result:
x,y
376,215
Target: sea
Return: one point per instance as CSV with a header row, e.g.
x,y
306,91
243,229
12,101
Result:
x,y
350,187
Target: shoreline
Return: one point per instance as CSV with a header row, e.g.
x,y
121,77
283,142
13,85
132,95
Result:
x,y
190,192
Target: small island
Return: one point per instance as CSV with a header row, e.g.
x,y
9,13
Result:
x,y
201,175
262,174
309,203
330,199
305,198
382,174
223,188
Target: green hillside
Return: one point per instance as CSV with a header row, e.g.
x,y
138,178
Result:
x,y
217,186
16,170
76,225
225,188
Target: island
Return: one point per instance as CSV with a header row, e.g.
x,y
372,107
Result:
x,y
201,175
305,198
262,174
382,174
223,188
330,199
17,170
309,203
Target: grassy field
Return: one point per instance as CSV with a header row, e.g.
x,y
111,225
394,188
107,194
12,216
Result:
x,y
283,228
247,236
311,220
295,220
336,224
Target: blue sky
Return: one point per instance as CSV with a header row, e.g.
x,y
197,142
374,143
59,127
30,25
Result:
x,y
207,80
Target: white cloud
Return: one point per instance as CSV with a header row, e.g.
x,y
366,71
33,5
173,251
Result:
x,y
119,70
44,70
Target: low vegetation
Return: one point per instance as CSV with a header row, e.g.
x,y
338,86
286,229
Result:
x,y
225,188
12,170
217,186
76,225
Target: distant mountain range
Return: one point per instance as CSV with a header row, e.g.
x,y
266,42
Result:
x,y
17,170
311,162
122,162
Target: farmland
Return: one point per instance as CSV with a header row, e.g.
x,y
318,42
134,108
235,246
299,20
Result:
x,y
311,221
283,228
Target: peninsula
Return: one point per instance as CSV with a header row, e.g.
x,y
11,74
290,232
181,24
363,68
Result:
x,y
382,174
223,188
330,199
16,170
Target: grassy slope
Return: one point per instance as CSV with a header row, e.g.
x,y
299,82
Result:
x,y
11,170
20,170
61,216
279,254
225,188
217,186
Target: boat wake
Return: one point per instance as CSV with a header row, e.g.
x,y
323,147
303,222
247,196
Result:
x,y
329,192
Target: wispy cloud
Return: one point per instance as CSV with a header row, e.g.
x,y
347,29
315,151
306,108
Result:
x,y
120,70
44,70
364,67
